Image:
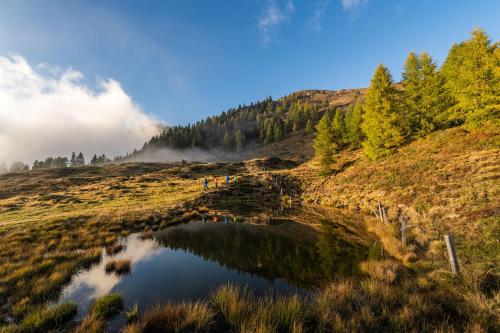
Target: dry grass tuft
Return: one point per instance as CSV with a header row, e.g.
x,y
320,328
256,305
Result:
x,y
386,270
183,317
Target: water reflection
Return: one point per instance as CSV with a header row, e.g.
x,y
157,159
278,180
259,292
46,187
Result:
x,y
190,260
95,282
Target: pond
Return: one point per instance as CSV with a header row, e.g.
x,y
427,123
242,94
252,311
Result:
x,y
189,261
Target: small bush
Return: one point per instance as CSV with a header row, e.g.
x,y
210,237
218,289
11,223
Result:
x,y
107,306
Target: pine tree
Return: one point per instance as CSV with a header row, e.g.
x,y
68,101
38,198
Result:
x,y
425,96
94,160
269,136
473,79
227,141
278,133
383,122
309,127
73,160
239,138
338,128
435,99
80,160
324,144
412,78
353,119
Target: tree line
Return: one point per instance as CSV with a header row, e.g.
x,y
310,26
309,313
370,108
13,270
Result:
x,y
464,91
55,162
264,122
74,161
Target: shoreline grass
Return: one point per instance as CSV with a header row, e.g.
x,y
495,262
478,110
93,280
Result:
x,y
118,266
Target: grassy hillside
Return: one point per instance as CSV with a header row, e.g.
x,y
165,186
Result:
x,y
445,183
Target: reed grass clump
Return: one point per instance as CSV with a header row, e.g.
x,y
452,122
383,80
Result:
x,y
182,317
233,303
92,323
44,319
107,306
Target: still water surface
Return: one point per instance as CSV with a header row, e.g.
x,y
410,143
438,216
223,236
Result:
x,y
189,261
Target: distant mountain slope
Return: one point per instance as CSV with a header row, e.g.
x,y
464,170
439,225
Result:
x,y
265,128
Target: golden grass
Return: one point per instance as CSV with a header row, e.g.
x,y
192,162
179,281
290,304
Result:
x,y
53,223
344,306
92,323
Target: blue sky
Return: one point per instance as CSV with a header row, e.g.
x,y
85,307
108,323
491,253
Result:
x,y
183,60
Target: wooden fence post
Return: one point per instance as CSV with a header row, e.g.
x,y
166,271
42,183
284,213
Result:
x,y
402,220
380,212
450,245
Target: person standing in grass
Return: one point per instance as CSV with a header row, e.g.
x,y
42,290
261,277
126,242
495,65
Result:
x,y
205,184
216,181
228,180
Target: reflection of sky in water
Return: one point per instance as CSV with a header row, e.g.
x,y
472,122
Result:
x,y
95,282
159,274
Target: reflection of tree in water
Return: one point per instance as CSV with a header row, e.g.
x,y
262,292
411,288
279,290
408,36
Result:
x,y
260,251
338,257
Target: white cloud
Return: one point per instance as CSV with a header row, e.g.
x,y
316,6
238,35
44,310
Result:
x,y
319,11
351,4
275,13
46,111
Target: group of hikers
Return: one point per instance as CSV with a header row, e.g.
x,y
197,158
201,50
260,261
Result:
x,y
216,181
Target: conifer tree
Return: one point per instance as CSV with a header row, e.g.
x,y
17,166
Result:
x,y
425,96
80,160
353,119
412,78
324,144
338,128
435,99
309,127
269,136
94,160
227,141
383,122
239,138
473,79
73,160
277,132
